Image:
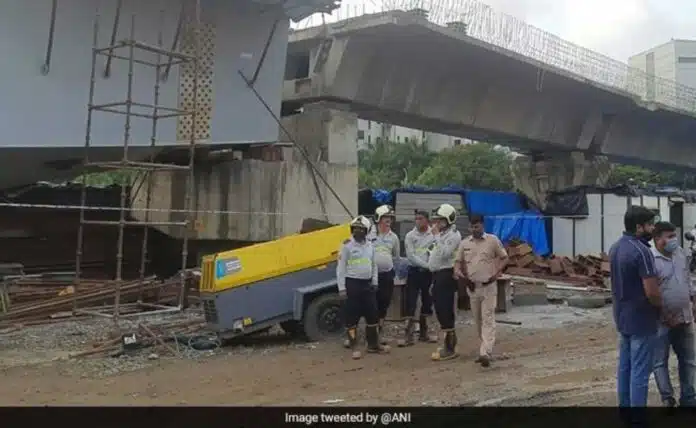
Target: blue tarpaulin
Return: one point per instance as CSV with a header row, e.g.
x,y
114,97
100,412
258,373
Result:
x,y
489,203
528,226
382,196
504,214
505,217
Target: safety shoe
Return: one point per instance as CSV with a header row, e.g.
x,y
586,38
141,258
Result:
x,y
484,360
373,345
408,334
423,335
351,339
448,351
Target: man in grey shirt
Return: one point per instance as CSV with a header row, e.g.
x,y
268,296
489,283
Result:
x,y
677,318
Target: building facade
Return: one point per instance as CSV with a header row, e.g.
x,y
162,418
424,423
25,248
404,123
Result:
x,y
369,132
674,61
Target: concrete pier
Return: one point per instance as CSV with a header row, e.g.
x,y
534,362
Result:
x,y
243,197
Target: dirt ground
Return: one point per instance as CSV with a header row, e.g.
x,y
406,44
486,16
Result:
x,y
558,356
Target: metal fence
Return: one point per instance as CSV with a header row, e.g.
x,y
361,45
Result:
x,y
511,33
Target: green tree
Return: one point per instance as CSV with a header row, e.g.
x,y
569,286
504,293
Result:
x,y
106,179
477,165
621,174
388,164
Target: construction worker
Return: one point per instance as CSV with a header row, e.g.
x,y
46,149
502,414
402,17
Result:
x,y
387,253
481,260
356,274
418,242
441,264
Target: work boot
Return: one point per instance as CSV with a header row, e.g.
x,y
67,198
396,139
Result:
x,y
448,351
484,360
382,339
423,335
373,345
346,342
408,334
669,402
351,342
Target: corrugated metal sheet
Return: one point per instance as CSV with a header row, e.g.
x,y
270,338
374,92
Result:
x,y
405,203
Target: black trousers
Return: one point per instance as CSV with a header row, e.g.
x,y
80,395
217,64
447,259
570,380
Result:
x,y
418,282
360,302
444,295
385,289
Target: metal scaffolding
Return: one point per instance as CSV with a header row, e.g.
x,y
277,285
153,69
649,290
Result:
x,y
127,50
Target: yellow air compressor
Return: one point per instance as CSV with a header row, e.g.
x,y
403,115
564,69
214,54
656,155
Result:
x,y
290,281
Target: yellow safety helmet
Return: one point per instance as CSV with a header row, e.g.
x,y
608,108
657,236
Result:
x,y
360,222
383,211
446,212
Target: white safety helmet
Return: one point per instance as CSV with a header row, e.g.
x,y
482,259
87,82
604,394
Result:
x,y
360,222
446,212
383,211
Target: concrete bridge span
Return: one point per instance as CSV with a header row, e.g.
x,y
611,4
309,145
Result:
x,y
399,68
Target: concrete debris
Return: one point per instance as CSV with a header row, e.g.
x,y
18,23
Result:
x,y
583,270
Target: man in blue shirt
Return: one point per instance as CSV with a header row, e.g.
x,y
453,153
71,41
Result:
x,y
676,330
636,299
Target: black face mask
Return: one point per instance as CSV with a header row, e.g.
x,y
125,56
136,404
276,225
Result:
x,y
359,234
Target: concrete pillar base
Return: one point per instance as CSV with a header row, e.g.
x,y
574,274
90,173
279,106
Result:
x,y
326,131
245,199
538,175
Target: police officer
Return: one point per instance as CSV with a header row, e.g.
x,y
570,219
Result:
x,y
418,242
387,253
356,274
441,263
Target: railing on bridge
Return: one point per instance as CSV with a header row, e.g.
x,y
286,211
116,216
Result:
x,y
513,34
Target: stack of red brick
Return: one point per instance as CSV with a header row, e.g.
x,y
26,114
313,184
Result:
x,y
583,270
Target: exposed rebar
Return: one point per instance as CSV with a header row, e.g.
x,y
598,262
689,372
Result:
x,y
124,183
299,147
83,190
192,151
153,140
175,42
46,67
149,166
114,34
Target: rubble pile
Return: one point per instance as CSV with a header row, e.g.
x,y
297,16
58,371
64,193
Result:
x,y
583,270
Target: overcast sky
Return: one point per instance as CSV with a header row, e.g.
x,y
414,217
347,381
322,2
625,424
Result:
x,y
618,28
